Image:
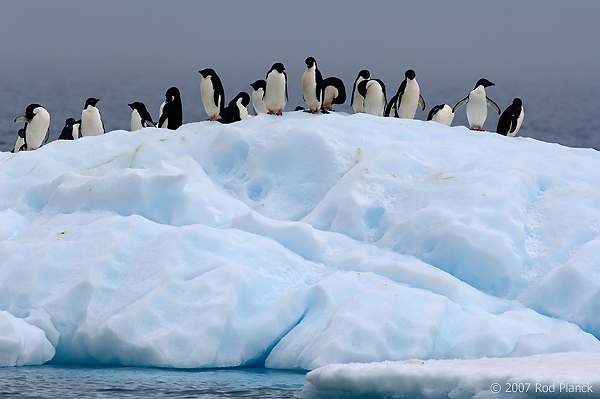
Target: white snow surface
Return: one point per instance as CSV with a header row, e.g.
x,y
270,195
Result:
x,y
297,241
573,374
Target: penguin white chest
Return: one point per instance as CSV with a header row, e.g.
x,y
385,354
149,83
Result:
x,y
91,124
136,120
37,129
208,98
275,95
409,101
329,94
445,115
309,89
374,99
357,98
258,101
477,108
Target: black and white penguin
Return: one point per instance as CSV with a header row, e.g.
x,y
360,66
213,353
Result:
x,y
20,143
276,89
71,131
441,114
91,121
408,97
237,109
334,92
312,82
357,100
258,96
36,129
511,119
373,92
140,117
171,113
213,94
477,103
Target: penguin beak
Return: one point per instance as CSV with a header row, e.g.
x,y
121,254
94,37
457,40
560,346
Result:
x,y
21,118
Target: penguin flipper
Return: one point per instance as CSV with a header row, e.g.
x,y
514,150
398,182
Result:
x,y
460,103
21,118
390,105
422,103
493,105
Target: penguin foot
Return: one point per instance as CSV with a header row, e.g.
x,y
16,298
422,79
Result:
x,y
280,112
477,128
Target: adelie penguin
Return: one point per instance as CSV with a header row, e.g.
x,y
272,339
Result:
x,y
71,131
408,97
237,109
334,92
357,100
441,114
276,89
213,95
477,103
91,121
312,82
511,119
140,117
170,113
373,92
36,129
258,96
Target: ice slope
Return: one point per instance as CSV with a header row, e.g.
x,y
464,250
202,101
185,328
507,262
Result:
x,y
297,241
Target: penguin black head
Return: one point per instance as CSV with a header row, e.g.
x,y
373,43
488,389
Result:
x,y
310,62
22,133
70,122
410,74
137,105
484,82
278,66
261,83
91,101
362,87
245,98
517,102
364,74
29,113
207,72
172,94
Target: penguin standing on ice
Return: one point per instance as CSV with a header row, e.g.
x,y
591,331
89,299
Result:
x,y
477,103
407,98
276,89
373,92
237,109
91,121
213,94
71,131
441,114
36,129
357,100
511,119
170,113
312,85
334,92
140,117
258,96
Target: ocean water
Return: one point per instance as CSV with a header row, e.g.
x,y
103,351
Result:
x,y
56,381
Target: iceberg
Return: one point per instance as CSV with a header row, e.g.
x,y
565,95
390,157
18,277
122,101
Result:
x,y
297,242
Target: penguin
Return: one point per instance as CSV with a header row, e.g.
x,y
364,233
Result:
x,y
236,109
258,96
20,143
334,92
91,121
357,100
442,114
276,89
140,117
408,97
390,109
171,114
312,85
477,103
36,129
511,119
373,91
213,95
71,131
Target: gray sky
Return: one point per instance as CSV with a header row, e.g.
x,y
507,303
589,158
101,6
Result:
x,y
154,44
